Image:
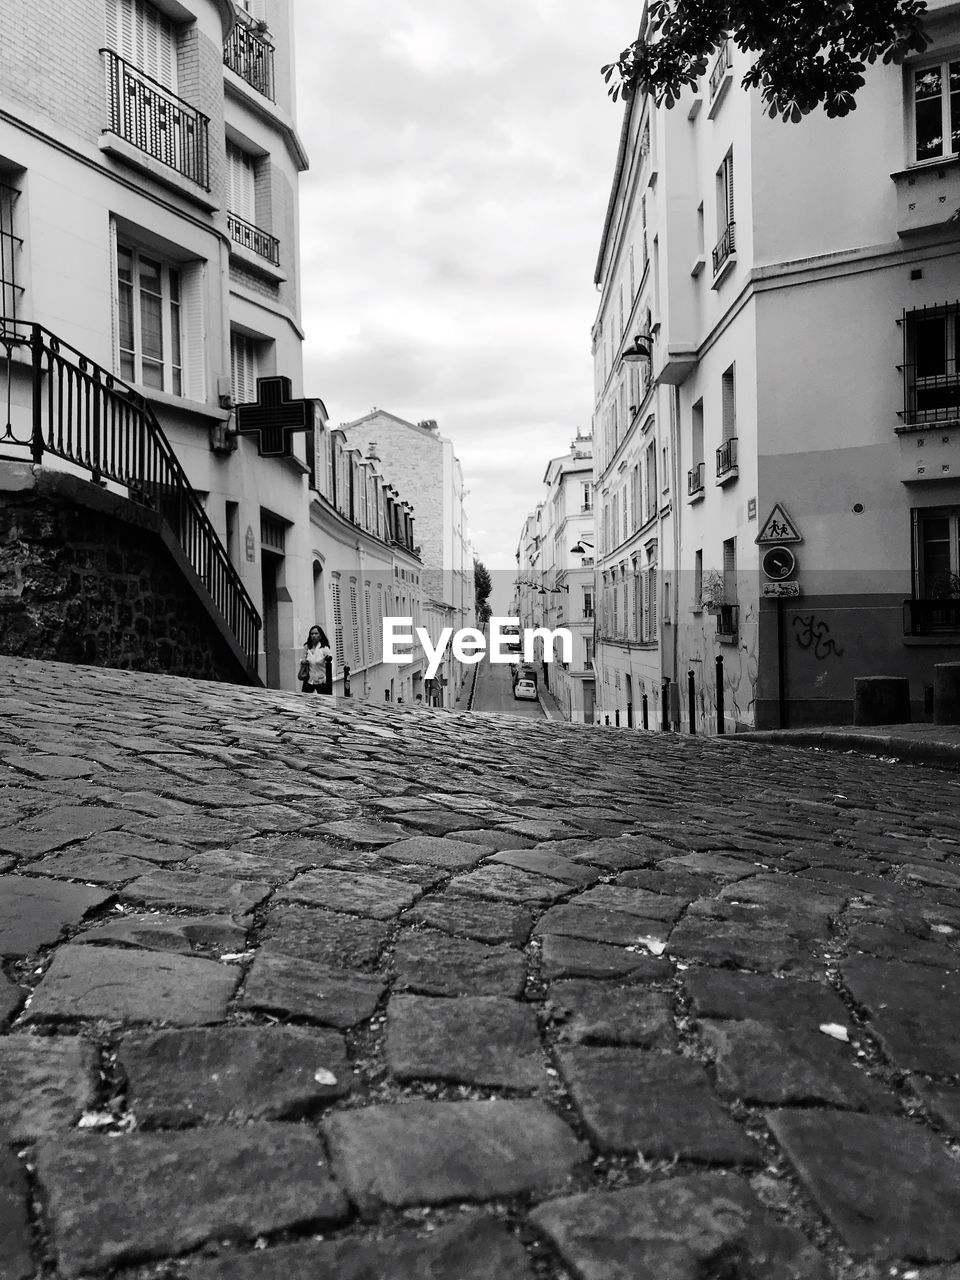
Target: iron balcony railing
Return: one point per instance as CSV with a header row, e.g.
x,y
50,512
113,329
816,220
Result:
x,y
726,246
252,238
929,617
727,457
251,56
722,65
728,617
85,415
695,479
160,124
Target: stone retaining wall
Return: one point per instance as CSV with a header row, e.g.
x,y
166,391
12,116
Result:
x,y
87,576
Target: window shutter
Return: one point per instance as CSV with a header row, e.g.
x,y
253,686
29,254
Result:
x,y
354,623
368,612
337,622
728,180
194,334
653,603
244,368
241,184
114,291
729,404
143,37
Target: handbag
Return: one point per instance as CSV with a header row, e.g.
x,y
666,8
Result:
x,y
303,671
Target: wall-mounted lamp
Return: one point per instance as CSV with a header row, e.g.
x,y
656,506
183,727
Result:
x,y
580,548
641,350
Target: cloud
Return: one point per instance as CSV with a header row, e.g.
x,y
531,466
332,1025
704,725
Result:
x,y
461,159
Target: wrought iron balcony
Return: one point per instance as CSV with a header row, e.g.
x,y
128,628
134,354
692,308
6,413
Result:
x,y
726,247
728,618
727,458
695,479
931,617
156,121
250,237
250,55
722,65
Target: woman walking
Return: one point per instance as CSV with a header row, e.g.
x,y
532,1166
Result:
x,y
313,664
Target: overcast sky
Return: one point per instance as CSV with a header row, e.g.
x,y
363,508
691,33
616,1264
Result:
x,y
461,156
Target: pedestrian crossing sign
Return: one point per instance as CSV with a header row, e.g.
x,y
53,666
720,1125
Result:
x,y
778,527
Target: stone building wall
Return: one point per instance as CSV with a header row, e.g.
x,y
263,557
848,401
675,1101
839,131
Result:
x,y
88,577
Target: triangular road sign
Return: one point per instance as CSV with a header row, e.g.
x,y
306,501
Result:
x,y
778,527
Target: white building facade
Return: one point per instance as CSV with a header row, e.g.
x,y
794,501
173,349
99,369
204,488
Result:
x,y
795,289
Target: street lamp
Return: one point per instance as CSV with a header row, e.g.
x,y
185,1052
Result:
x,y
580,548
642,349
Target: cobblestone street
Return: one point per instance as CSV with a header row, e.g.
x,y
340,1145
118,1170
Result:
x,y
296,990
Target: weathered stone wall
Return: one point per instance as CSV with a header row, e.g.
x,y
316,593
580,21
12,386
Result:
x,y
87,577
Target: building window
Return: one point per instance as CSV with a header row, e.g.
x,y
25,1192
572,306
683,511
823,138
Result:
x,y
936,111
150,320
145,38
651,478
730,570
586,496
931,364
729,404
337,620
935,606
588,652
10,247
697,580
588,602
725,214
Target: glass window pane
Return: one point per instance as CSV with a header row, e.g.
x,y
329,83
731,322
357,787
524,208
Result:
x,y
126,316
954,106
930,338
124,263
928,113
152,374
149,276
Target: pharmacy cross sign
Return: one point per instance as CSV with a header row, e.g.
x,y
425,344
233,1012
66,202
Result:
x,y
274,417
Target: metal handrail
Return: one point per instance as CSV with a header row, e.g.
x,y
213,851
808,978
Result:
x,y
726,246
82,413
695,479
250,57
253,238
727,456
148,115
723,64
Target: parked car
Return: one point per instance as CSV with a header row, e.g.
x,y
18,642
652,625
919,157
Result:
x,y
522,672
525,688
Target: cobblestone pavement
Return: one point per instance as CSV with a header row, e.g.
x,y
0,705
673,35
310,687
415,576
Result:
x,y
303,991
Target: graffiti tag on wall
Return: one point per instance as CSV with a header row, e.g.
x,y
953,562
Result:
x,y
814,634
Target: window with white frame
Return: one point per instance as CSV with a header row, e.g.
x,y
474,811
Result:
x,y
936,535
586,496
936,111
150,320
11,244
588,602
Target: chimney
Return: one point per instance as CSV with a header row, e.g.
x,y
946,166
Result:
x,y
372,451
428,424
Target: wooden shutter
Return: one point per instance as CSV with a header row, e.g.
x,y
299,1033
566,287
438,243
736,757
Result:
x,y
354,623
337,621
652,579
368,618
729,404
243,368
241,184
193,331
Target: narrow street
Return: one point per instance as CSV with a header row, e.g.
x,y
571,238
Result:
x,y
295,989
494,692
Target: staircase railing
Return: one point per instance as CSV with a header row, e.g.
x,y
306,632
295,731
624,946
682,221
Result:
x,y
80,412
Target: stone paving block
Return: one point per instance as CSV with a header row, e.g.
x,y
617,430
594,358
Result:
x,y
24,843
364,895
478,1249
889,943
138,986
601,1013
199,830
494,840
45,1084
437,823
487,921
436,1152
541,829
509,884
365,833
437,964
635,902
728,944
803,1006
75,864
374,862
74,821
679,1229
563,957
236,864
613,853
675,884
15,1234
912,1011
47,766
576,920
789,894
11,998
943,877
725,866
177,1078
943,1103
656,1103
125,844
546,864
302,989
192,891
435,851
887,1184
158,932
482,1040
139,1196
33,913
325,937
776,1066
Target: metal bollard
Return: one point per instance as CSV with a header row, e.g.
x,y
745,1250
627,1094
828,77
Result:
x,y
692,700
346,682
665,705
720,724
645,712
